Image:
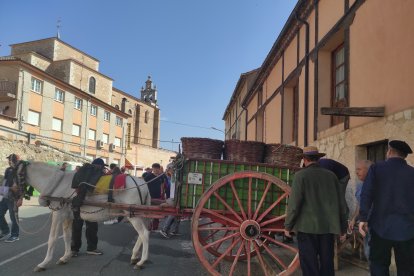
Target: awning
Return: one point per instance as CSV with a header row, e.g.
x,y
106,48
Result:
x,y
129,165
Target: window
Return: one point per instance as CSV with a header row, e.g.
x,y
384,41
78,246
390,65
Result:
x,y
92,84
117,142
130,111
146,117
76,130
105,138
37,85
57,124
118,121
94,110
33,118
78,103
92,134
107,116
338,82
117,107
59,95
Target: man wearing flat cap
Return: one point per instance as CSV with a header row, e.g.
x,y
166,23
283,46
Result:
x,y
388,191
317,212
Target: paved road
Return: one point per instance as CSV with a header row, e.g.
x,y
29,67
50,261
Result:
x,y
174,256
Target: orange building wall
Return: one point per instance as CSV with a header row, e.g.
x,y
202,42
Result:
x,y
291,57
301,110
106,127
32,129
379,37
272,120
57,135
76,139
311,21
302,38
118,132
329,13
92,122
77,117
58,110
252,107
251,131
35,102
311,100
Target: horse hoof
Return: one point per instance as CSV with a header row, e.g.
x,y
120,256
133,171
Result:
x,y
39,269
138,267
60,262
134,261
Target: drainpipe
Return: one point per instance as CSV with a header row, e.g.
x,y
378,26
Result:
x,y
20,112
306,78
85,139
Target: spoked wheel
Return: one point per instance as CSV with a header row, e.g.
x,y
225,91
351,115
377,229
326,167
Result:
x,y
236,220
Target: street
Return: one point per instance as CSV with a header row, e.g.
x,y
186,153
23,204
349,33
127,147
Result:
x,y
174,256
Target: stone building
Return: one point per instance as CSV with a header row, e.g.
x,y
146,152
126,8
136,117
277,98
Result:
x,y
338,76
56,94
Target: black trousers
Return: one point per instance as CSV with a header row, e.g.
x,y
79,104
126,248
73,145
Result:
x,y
316,254
380,256
91,234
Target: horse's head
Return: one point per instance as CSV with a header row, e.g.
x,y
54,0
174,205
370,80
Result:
x,y
39,175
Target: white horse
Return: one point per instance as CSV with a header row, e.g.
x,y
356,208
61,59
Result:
x,y
50,181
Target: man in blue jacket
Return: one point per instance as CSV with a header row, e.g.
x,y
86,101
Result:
x,y
389,190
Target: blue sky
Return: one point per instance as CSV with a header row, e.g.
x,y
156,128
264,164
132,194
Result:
x,y
194,50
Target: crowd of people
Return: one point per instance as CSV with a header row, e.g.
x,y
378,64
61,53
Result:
x,y
317,211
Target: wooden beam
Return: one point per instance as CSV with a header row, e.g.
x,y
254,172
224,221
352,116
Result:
x,y
354,111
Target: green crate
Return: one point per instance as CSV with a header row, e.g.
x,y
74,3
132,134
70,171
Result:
x,y
213,170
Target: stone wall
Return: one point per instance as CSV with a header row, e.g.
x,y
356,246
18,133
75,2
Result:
x,y
31,152
349,146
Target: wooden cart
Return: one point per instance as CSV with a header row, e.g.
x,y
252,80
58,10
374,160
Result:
x,y
238,211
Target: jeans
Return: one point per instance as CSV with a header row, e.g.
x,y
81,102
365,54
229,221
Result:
x,y
8,204
171,224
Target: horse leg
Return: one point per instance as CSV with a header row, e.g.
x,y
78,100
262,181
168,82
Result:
x,y
143,238
54,230
134,257
67,237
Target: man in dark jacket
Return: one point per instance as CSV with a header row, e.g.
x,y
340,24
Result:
x,y
341,171
91,231
156,181
316,211
11,202
387,203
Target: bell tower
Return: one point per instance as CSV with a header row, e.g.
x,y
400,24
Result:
x,y
149,93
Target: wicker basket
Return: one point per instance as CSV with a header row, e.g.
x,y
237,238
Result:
x,y
283,155
244,151
203,148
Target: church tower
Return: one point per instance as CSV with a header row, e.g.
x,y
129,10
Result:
x,y
149,94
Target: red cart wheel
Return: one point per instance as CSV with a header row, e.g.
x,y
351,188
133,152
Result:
x,y
236,220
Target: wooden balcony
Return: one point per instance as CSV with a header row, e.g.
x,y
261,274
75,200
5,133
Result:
x,y
8,90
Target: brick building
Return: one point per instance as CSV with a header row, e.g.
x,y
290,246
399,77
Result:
x,y
55,92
